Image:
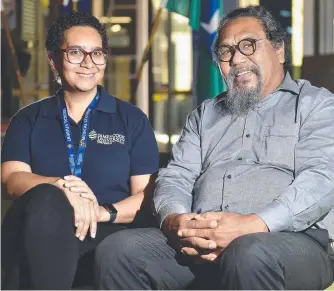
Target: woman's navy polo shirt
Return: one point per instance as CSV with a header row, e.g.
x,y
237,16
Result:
x,y
120,144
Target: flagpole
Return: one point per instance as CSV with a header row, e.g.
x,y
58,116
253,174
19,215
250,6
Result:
x,y
74,6
171,86
144,58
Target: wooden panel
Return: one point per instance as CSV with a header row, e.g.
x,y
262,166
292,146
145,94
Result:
x,y
319,70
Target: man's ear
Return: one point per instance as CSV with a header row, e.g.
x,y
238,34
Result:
x,y
221,72
280,51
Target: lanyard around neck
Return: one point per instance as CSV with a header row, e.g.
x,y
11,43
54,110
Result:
x,y
76,159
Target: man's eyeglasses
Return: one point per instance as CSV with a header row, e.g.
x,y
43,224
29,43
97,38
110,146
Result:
x,y
76,55
245,46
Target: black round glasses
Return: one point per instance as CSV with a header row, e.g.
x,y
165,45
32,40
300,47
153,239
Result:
x,y
246,46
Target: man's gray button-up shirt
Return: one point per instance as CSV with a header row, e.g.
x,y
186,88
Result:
x,y
277,161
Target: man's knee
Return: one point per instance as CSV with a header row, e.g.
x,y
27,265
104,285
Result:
x,y
248,253
248,263
124,246
120,260
115,244
139,259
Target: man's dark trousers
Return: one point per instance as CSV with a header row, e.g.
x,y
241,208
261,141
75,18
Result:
x,y
142,259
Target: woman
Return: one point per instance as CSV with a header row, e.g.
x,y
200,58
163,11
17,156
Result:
x,y
80,164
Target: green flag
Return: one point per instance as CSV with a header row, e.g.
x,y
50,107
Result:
x,y
203,17
187,8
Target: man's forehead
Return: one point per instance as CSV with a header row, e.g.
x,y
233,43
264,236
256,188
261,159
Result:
x,y
240,28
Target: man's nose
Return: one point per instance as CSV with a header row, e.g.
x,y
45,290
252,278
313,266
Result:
x,y
237,58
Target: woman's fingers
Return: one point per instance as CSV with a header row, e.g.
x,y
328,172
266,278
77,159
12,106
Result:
x,y
75,184
93,222
88,196
80,212
72,178
80,189
93,199
87,220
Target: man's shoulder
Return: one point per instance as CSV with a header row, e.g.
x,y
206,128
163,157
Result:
x,y
209,109
312,98
212,104
307,90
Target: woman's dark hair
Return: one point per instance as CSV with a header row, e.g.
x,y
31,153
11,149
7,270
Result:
x,y
55,33
273,29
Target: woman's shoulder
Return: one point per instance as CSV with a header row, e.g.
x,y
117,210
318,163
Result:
x,y
33,109
129,110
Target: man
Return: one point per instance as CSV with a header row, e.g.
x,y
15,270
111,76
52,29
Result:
x,y
245,201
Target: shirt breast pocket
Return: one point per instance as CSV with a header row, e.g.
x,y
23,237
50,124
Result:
x,y
278,148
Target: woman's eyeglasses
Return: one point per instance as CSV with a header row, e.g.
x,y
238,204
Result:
x,y
77,55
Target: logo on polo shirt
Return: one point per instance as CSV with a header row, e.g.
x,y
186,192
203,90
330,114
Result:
x,y
106,138
92,135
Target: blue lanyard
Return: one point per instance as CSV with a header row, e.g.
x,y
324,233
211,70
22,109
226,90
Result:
x,y
76,159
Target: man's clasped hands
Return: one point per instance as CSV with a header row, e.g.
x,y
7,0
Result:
x,y
205,236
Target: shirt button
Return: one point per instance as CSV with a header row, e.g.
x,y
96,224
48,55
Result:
x,y
239,159
247,135
229,176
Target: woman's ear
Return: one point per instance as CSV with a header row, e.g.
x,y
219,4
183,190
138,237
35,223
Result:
x,y
53,65
51,58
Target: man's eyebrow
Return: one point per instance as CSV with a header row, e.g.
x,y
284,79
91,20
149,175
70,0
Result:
x,y
246,36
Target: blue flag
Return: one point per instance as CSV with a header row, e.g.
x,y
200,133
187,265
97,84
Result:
x,y
74,5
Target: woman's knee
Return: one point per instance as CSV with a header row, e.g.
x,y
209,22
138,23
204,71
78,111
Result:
x,y
46,206
44,196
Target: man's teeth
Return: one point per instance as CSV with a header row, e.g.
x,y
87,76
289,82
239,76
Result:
x,y
243,73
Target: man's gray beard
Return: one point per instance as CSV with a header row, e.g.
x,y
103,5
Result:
x,y
240,100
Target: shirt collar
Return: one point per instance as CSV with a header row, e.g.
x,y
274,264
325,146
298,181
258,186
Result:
x,y
107,103
288,84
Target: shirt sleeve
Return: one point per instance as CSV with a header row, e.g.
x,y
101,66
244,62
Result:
x,y
174,185
311,195
16,144
144,154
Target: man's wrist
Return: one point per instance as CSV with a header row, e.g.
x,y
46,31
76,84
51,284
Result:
x,y
258,225
167,223
169,208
